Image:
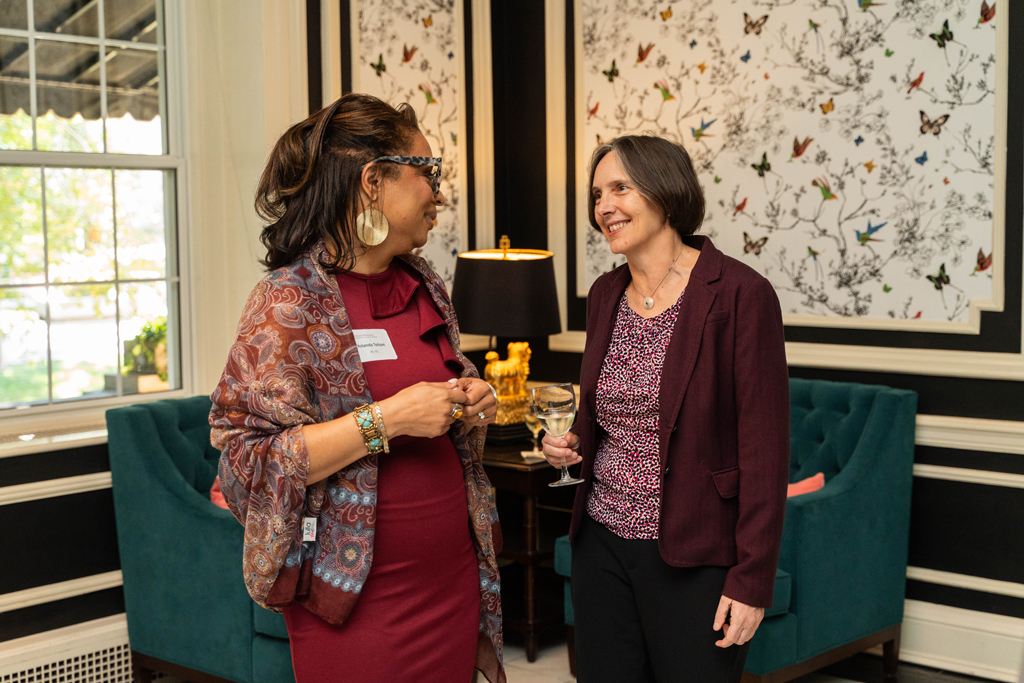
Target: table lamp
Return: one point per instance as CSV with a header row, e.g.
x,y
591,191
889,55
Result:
x,y
507,292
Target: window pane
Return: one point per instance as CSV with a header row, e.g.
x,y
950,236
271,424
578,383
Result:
x,y
144,338
23,371
133,102
80,225
72,18
14,14
141,238
68,103
83,341
133,20
22,256
15,94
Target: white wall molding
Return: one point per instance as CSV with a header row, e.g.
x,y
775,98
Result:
x,y
483,124
965,641
985,477
59,591
53,488
974,583
331,63
972,434
557,149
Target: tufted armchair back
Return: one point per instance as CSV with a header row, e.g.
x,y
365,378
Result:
x,y
826,420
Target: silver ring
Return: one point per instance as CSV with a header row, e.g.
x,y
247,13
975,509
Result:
x,y
481,416
456,411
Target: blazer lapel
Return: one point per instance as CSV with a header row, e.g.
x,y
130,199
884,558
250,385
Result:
x,y
603,325
681,355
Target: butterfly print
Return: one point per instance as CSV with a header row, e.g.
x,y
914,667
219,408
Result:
x,y
752,247
753,26
934,127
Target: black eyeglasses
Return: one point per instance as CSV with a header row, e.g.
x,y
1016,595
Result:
x,y
435,177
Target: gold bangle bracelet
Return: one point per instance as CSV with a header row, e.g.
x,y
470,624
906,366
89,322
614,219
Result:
x,y
380,427
367,427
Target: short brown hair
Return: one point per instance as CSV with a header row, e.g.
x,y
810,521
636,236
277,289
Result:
x,y
311,183
663,174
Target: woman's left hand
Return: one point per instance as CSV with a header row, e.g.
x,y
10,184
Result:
x,y
481,402
743,621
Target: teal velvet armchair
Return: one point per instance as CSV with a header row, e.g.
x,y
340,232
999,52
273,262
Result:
x,y
841,581
188,612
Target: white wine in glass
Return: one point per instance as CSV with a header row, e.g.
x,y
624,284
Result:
x,y
555,407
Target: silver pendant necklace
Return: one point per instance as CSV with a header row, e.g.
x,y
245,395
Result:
x,y
649,300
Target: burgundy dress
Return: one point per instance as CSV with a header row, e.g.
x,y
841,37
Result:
x,y
418,615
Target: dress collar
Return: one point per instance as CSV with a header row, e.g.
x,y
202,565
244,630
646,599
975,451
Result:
x,y
389,292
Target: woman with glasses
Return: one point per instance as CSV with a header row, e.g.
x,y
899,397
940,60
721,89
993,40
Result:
x,y
351,424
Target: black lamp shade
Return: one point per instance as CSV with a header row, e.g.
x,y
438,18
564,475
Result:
x,y
513,297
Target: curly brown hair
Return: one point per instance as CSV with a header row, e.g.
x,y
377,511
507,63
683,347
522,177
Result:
x,y
310,189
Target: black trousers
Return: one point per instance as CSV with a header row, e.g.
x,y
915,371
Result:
x,y
639,619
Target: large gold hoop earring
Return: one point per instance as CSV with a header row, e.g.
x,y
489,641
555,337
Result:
x,y
372,227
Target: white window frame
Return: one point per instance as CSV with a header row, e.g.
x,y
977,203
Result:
x,y
89,413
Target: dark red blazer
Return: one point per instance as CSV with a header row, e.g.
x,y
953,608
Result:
x,y
724,424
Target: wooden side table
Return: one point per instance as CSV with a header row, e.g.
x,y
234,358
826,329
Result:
x,y
508,472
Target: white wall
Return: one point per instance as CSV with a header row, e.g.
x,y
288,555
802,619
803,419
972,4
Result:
x,y
245,84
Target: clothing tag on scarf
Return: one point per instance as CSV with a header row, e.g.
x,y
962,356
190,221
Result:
x,y
308,529
374,345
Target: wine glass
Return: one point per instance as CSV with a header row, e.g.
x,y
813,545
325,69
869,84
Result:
x,y
533,424
555,407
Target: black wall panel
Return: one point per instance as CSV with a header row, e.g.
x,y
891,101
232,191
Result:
x,y
965,599
58,539
61,613
55,465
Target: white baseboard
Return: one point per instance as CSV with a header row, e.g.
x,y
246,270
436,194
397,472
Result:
x,y
968,642
95,651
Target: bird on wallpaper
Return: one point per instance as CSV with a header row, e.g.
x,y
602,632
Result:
x,y
984,262
826,189
407,53
593,111
916,83
987,13
699,133
868,4
379,67
865,237
819,272
752,247
739,207
753,25
662,86
870,165
819,41
667,14
426,91
934,127
800,147
643,52
612,72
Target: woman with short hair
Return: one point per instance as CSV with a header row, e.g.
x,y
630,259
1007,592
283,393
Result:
x,y
351,423
683,432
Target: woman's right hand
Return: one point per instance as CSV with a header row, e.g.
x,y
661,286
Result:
x,y
424,409
561,450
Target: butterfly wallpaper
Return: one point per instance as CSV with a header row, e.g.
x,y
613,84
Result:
x,y
846,147
409,51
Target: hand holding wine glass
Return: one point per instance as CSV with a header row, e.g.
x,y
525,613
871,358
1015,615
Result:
x,y
556,409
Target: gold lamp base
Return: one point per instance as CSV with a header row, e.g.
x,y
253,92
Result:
x,y
508,377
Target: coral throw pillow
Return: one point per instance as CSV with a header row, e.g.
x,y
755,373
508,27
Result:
x,y
807,485
217,497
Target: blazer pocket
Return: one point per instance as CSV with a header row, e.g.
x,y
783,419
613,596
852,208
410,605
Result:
x,y
727,482
716,317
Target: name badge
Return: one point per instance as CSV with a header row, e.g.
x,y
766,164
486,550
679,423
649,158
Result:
x,y
374,345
